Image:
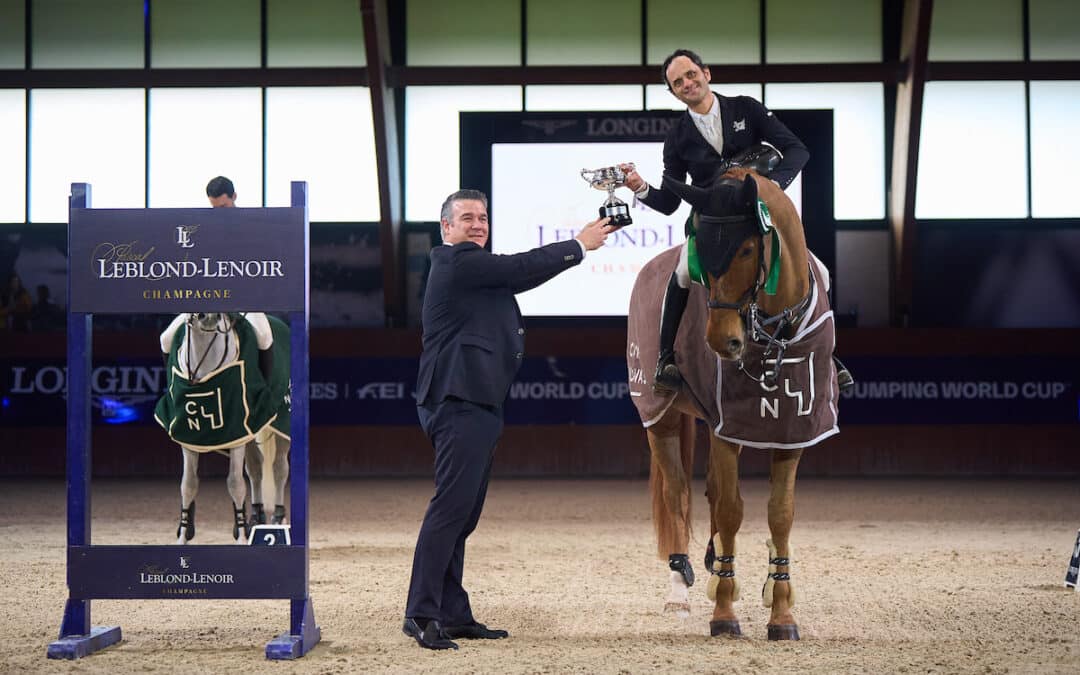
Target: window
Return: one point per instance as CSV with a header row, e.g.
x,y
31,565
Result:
x,y
463,33
972,154
571,32
205,34
322,136
79,34
1055,107
196,134
12,155
858,140
432,157
314,33
105,146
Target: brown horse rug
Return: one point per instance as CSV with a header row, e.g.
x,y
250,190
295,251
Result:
x,y
797,411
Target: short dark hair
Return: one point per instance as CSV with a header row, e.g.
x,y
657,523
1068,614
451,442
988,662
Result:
x,y
676,54
220,186
458,196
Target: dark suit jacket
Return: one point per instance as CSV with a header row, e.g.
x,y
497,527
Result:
x,y
746,122
474,338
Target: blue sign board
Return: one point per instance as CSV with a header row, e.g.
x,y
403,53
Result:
x,y
165,261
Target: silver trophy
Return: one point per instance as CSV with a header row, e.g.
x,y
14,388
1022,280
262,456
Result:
x,y
609,178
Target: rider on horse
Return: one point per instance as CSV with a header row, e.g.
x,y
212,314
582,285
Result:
x,y
715,133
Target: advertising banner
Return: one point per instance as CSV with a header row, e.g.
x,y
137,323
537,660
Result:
x,y
581,390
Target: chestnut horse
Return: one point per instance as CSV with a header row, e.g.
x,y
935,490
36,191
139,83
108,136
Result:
x,y
755,350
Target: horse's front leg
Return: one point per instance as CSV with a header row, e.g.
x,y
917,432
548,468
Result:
x,y
726,505
671,449
778,593
253,458
280,474
238,492
189,487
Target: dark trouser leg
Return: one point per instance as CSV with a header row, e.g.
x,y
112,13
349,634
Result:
x,y
456,610
844,380
667,373
464,437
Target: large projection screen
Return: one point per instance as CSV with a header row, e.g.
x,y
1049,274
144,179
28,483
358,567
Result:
x,y
530,166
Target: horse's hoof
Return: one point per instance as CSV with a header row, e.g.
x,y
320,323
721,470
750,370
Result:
x,y
719,627
679,609
783,632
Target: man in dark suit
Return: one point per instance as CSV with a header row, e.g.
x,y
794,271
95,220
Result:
x,y
714,131
472,348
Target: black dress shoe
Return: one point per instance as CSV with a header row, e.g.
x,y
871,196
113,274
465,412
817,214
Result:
x,y
428,637
473,631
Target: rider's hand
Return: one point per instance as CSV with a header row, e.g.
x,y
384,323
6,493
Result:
x,y
634,181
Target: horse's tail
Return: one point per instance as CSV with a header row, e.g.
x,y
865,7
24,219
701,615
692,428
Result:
x,y
672,526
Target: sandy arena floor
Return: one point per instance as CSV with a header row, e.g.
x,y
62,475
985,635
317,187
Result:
x,y
956,576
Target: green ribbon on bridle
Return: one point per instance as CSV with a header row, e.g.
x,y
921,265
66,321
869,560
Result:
x,y
693,261
765,223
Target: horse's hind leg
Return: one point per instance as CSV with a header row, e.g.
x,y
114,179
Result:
x,y
189,487
726,506
238,492
671,449
778,593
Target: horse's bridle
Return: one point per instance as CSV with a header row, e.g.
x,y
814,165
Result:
x,y
194,324
763,329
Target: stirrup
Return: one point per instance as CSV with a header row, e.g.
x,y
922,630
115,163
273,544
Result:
x,y
844,379
668,379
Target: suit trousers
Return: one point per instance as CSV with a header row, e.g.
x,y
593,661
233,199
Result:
x,y
464,436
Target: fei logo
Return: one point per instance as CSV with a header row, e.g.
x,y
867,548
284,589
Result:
x,y
183,235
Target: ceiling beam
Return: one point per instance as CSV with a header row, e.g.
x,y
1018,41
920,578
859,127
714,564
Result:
x,y
90,78
403,76
387,159
914,45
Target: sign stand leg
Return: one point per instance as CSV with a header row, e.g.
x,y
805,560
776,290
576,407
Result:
x,y
302,636
77,637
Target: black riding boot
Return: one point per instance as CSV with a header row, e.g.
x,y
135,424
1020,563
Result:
x,y
844,380
667,378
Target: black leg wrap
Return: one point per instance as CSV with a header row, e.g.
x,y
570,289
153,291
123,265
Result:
x,y
258,515
279,515
187,523
240,523
680,562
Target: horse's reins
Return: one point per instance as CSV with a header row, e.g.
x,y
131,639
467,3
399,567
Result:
x,y
216,331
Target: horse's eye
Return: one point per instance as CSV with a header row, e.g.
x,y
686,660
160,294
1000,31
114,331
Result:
x,y
746,251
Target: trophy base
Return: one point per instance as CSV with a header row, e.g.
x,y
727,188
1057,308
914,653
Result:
x,y
619,214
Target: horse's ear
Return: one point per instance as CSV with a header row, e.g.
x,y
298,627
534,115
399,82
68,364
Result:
x,y
748,194
691,194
